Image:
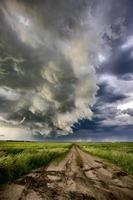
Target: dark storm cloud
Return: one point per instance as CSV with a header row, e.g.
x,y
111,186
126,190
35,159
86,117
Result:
x,y
109,121
120,64
106,135
58,16
120,61
87,124
41,46
124,63
48,55
129,111
95,124
5,104
127,77
108,94
96,130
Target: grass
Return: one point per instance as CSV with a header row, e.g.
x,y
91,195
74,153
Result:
x,y
19,158
117,153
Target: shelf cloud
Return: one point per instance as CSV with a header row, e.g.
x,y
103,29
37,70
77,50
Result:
x,y
48,66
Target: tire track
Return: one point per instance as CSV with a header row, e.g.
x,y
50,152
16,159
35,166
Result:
x,y
78,176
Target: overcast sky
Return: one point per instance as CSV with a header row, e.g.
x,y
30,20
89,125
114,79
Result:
x,y
66,70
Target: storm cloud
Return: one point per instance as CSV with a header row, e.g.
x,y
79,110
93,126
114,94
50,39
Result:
x,y
49,55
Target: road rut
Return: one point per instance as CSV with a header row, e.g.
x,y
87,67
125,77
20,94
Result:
x,y
79,176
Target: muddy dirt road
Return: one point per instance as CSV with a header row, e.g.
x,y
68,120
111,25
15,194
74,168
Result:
x,y
78,176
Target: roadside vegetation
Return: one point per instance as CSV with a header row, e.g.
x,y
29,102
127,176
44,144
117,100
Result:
x,y
19,158
120,154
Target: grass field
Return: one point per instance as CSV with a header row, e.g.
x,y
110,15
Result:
x,y
120,154
19,158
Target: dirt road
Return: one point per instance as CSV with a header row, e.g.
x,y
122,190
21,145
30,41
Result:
x,y
78,176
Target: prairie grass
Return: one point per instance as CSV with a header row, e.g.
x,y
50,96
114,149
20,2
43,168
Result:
x,y
120,154
19,158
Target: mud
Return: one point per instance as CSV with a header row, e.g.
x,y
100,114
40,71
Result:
x,y
78,176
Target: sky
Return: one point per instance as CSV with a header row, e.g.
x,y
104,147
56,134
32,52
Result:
x,y
66,70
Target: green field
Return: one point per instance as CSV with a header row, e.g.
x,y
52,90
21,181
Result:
x,y
19,158
119,153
